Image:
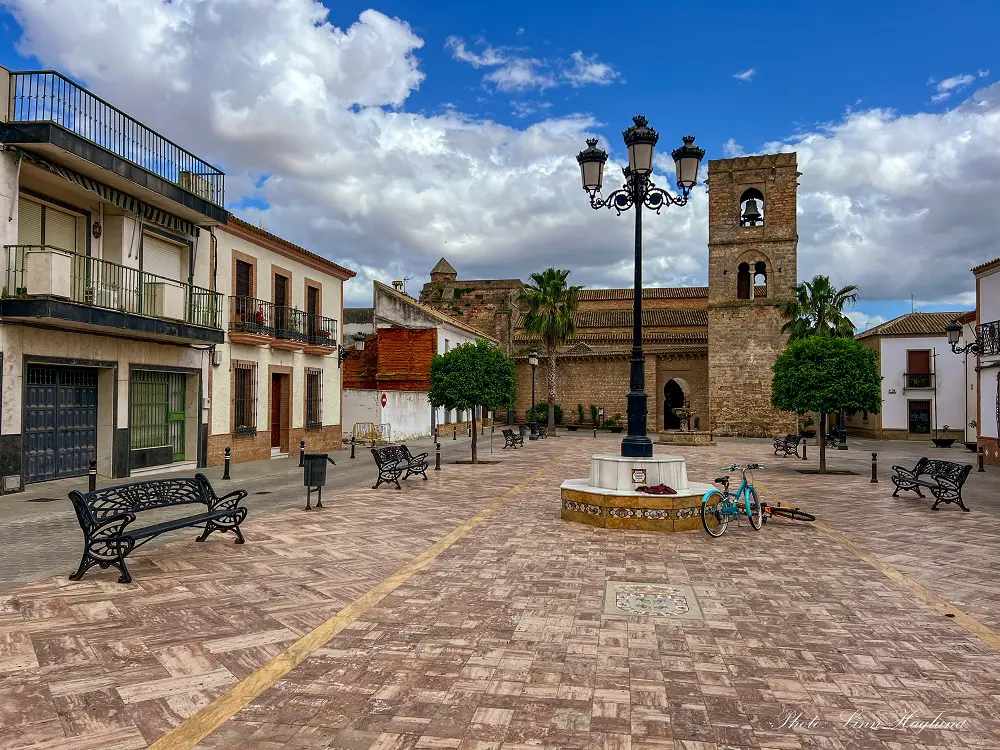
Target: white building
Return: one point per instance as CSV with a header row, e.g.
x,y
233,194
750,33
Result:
x,y
390,386
924,385
123,274
987,335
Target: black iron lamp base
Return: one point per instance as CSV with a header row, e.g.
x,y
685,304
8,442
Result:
x,y
637,446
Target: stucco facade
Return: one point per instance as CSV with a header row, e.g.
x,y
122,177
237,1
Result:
x,y
988,363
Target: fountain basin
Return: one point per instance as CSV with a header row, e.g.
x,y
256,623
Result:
x,y
608,498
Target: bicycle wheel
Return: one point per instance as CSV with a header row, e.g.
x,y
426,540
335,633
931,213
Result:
x,y
754,512
712,518
792,514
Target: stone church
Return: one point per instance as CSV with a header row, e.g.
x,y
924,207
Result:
x,y
708,349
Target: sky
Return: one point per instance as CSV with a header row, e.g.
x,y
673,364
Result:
x,y
386,137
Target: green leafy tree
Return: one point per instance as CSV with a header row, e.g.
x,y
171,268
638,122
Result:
x,y
551,315
818,310
825,375
472,375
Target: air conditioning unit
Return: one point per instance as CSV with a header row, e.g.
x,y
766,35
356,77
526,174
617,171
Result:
x,y
197,184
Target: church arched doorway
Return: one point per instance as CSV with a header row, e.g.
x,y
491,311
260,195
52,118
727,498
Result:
x,y
673,398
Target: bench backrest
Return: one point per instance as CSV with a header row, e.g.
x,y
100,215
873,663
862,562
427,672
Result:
x,y
953,472
389,453
96,506
507,433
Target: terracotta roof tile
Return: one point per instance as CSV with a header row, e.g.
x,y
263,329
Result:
x,y
665,292
914,324
235,221
987,265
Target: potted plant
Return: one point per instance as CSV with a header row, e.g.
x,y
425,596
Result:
x,y
593,414
615,423
579,417
684,415
942,442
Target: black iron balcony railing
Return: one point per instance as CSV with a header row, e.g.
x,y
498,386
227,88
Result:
x,y
321,331
918,380
988,336
250,315
290,324
101,283
48,96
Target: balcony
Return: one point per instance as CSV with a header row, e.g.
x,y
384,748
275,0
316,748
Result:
x,y
988,336
48,285
261,323
918,380
53,115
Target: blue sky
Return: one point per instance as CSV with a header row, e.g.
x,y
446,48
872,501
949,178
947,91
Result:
x,y
737,75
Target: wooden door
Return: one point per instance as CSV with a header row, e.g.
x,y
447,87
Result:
x,y
276,398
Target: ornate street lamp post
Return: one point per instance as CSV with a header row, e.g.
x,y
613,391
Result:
x,y
638,191
533,361
973,348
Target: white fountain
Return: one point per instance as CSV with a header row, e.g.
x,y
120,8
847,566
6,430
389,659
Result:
x,y
609,497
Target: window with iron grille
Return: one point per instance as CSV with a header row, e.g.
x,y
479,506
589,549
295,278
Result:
x,y
245,398
314,399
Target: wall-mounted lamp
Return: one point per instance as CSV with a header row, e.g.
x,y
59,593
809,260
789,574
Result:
x,y
216,357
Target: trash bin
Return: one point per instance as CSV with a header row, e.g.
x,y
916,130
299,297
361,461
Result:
x,y
314,476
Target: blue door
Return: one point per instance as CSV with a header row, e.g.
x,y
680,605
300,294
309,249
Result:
x,y
60,422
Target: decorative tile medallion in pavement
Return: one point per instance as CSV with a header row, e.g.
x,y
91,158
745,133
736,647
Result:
x,y
651,600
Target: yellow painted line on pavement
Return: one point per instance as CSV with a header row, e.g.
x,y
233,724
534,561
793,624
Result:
x,y
983,632
193,730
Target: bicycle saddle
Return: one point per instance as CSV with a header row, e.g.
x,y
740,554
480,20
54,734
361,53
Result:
x,y
722,480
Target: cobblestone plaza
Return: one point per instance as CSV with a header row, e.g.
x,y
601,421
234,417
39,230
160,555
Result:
x,y
463,613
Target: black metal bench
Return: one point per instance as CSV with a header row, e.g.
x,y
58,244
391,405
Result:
x,y
543,432
105,516
512,439
787,444
395,462
943,478
832,441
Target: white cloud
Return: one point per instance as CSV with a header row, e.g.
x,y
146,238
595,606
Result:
x,y
488,58
745,75
515,72
731,148
894,203
862,321
586,70
521,74
949,86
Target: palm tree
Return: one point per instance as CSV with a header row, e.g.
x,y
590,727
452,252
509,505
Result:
x,y
551,316
818,310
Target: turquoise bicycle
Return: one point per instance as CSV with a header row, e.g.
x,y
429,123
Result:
x,y
719,507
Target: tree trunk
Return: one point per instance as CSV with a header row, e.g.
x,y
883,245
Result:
x,y
552,391
822,442
475,456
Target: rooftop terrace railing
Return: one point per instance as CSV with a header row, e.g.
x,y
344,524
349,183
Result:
x,y
48,96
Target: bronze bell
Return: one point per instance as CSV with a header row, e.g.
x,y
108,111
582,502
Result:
x,y
751,214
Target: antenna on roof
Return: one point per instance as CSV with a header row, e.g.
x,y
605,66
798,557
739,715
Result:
x,y
912,309
403,282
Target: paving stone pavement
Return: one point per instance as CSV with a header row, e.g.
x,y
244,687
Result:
x,y
502,641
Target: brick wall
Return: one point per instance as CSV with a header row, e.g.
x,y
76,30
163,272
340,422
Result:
x,y
258,447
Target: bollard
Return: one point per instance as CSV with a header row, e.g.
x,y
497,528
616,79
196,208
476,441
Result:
x,y
437,456
468,430
352,446
92,476
302,453
874,468
982,457
225,464
595,430
804,444
454,432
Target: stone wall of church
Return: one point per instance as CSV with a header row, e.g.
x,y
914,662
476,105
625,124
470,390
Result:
x,y
692,375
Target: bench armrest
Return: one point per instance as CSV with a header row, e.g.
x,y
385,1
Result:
x,y
418,457
227,502
111,527
389,465
904,472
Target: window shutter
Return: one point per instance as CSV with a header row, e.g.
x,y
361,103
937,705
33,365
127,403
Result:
x,y
29,222
164,258
60,229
